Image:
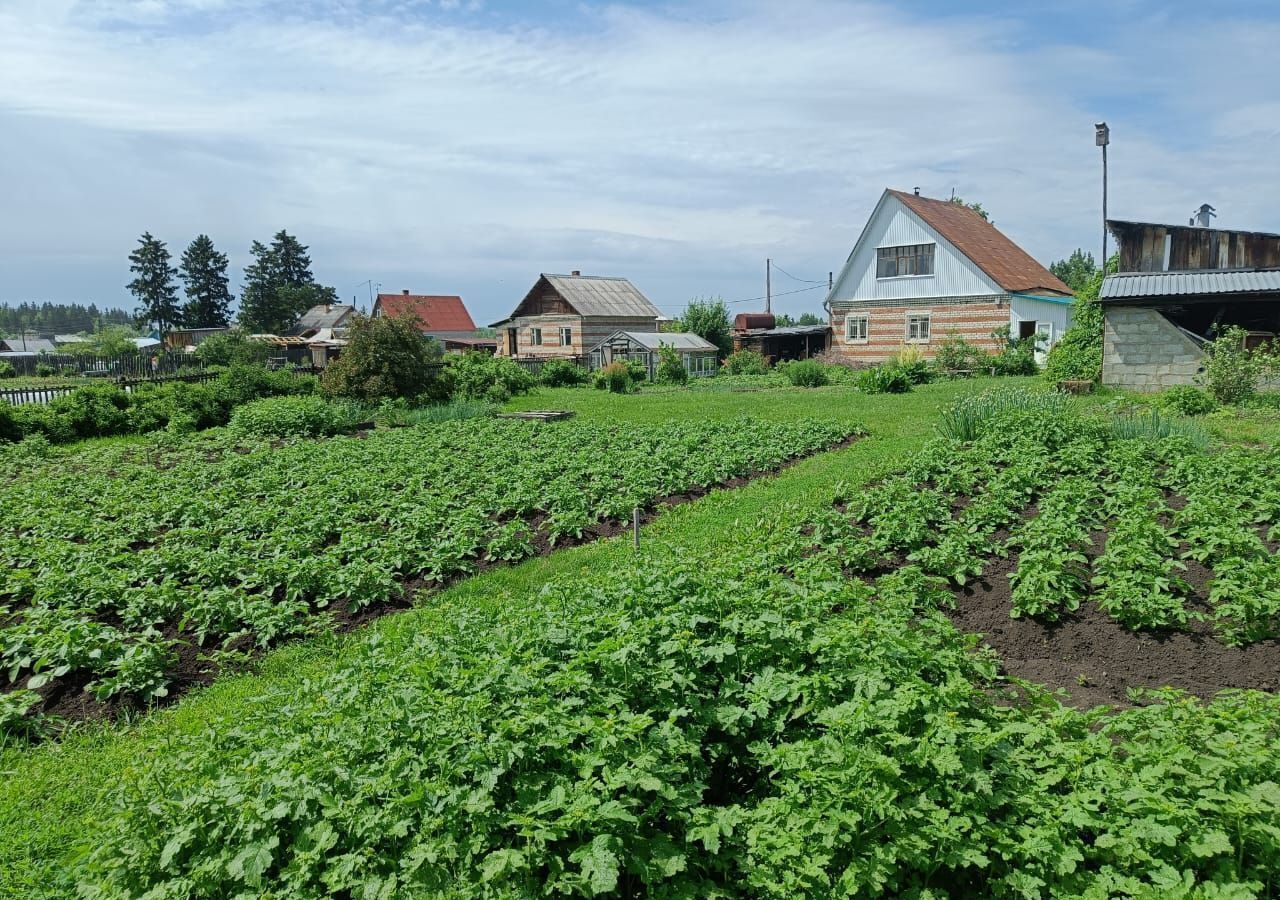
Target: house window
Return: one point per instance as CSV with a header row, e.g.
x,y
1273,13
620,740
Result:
x,y
855,328
566,337
535,337
913,259
918,328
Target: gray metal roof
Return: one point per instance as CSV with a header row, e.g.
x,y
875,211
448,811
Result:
x,y
326,315
786,330
1134,285
652,340
30,345
593,295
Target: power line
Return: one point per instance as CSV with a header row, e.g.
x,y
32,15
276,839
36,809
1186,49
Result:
x,y
794,278
755,299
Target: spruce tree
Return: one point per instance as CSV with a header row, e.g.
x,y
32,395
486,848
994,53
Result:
x,y
204,273
153,285
279,286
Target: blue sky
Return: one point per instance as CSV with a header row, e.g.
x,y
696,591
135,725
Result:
x,y
464,146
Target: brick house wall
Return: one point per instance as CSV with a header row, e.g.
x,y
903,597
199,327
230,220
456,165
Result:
x,y
972,318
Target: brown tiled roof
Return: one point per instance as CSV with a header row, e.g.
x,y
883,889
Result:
x,y
1005,262
435,312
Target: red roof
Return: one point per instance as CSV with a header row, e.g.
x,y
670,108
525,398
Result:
x,y
434,312
1009,265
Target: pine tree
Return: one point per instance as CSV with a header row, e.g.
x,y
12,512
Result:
x,y
153,287
204,273
279,286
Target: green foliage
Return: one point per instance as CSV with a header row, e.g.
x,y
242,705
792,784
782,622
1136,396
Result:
x,y
911,363
955,353
973,417
231,348
615,377
883,379
153,286
1077,356
7,370
204,275
1018,357
709,320
298,416
58,318
480,376
279,286
385,357
805,373
1186,400
976,207
745,362
95,411
45,370
671,368
1232,373
1076,271
562,373
1151,426
399,414
10,426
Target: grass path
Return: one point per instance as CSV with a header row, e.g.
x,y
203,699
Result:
x,y
52,795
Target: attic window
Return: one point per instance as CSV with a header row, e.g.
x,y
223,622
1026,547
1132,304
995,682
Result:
x,y
912,259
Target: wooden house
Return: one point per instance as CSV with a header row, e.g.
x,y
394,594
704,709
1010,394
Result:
x,y
923,269
568,315
698,355
1177,287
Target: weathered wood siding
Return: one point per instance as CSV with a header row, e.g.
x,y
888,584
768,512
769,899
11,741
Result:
x,y
587,332
1142,248
973,318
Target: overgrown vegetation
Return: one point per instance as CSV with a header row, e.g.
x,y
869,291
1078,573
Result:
x,y
671,368
386,357
1077,355
745,362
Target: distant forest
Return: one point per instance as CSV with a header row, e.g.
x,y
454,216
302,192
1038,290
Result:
x,y
58,318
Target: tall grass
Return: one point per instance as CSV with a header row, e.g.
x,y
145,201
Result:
x,y
971,417
1152,426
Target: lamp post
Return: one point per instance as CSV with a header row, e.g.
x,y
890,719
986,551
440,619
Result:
x,y
1102,137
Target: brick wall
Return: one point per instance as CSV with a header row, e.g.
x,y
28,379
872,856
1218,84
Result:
x,y
974,320
1143,351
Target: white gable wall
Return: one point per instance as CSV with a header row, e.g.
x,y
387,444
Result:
x,y
894,225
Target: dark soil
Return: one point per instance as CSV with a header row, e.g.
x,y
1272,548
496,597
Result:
x,y
66,698
1095,659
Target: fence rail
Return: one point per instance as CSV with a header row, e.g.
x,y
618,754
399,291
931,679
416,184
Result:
x,y
21,396
534,366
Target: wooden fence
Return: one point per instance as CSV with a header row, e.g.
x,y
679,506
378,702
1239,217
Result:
x,y
534,366
20,396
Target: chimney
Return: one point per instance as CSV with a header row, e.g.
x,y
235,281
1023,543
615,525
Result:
x,y
916,191
575,273
405,292
1203,215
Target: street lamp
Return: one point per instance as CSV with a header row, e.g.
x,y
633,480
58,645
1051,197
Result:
x,y
1102,137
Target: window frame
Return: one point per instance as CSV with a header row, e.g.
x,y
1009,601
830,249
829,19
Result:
x,y
566,335
924,254
849,336
535,336
917,319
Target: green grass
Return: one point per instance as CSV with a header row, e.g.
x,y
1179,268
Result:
x,y
52,795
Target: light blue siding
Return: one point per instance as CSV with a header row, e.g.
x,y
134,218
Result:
x,y
1024,308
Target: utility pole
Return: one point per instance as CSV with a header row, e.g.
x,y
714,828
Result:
x,y
768,285
1102,137
830,283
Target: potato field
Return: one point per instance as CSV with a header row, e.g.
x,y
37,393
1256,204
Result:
x,y
118,564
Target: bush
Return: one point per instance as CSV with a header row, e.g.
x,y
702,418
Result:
x,y
479,376
7,370
1232,373
384,357
671,368
883,380
562,373
1018,356
1186,401
232,348
745,362
44,370
911,362
95,411
290,417
1077,356
10,427
955,353
806,373
638,370
615,377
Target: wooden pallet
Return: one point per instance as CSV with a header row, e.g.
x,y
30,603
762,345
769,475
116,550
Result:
x,y
541,415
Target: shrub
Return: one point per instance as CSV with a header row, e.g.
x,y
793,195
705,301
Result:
x,y
709,320
955,353
806,373
44,370
232,348
1018,356
615,377
95,411
638,370
883,380
1232,373
479,376
10,428
671,368
745,362
1186,401
562,373
290,417
7,370
384,357
911,362
1077,356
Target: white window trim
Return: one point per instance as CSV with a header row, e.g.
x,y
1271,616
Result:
x,y
866,328
535,336
876,262
906,327
566,330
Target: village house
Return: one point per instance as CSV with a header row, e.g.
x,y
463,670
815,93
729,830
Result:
x,y
324,316
761,333
699,356
568,315
1176,288
443,317
923,270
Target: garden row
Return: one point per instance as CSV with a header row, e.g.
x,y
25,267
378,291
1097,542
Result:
x,y
745,724
1111,512
118,561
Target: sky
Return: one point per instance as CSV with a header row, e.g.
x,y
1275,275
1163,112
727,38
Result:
x,y
465,146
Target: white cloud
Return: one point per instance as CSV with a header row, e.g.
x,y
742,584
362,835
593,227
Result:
x,y
453,151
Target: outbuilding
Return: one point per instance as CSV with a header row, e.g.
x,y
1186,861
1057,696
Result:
x,y
697,354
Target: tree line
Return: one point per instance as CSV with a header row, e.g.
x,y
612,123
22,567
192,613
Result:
x,y
59,318
278,285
